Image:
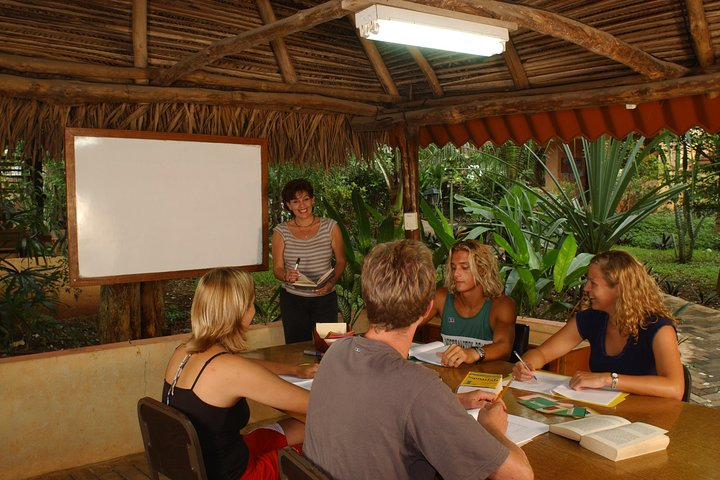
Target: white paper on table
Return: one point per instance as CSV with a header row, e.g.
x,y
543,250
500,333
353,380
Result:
x,y
427,352
546,382
596,396
520,429
305,383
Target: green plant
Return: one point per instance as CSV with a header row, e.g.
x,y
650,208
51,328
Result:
x,y
268,309
545,281
358,242
595,217
684,159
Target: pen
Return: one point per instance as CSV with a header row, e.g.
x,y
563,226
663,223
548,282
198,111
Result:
x,y
297,263
524,364
313,353
502,392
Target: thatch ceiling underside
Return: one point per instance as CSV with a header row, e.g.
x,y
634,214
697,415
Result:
x,y
297,73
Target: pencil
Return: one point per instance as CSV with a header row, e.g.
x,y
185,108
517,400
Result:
x,y
524,364
502,392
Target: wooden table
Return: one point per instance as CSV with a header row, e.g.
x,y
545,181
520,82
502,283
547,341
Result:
x,y
693,431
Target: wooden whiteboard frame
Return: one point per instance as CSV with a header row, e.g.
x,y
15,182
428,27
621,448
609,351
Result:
x,y
145,206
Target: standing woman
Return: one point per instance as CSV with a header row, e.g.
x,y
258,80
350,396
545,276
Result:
x,y
632,335
207,381
306,243
477,318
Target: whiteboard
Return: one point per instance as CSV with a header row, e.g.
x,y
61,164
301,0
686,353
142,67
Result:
x,y
148,206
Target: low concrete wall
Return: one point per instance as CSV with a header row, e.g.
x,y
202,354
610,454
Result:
x,y
74,407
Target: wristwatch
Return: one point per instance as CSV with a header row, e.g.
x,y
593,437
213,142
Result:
x,y
481,351
613,385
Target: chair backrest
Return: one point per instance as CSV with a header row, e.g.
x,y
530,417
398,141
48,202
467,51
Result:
x,y
295,466
688,384
522,340
171,443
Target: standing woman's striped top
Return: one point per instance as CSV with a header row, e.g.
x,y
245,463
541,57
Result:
x,y
315,254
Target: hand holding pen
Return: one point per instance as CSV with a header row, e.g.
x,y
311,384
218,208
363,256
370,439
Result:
x,y
293,274
521,372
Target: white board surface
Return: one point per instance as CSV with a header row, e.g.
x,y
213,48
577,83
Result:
x,y
167,207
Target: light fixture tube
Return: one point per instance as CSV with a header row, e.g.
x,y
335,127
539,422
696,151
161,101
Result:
x,y
397,25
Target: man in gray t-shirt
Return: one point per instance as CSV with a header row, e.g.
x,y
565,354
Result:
x,y
374,415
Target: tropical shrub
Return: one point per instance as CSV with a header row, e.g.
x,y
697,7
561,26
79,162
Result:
x,y
358,243
594,215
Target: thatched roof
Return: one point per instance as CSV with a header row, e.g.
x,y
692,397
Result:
x,y
297,73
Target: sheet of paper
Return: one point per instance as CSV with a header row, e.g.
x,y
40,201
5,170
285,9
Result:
x,y
546,382
427,352
520,429
305,383
596,396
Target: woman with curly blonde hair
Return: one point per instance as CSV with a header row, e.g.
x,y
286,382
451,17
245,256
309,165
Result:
x,y
210,383
477,318
632,335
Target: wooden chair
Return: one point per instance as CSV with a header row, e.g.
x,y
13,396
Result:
x,y
688,384
522,341
295,466
171,443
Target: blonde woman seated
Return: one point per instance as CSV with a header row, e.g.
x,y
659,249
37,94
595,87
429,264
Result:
x,y
207,381
632,335
477,318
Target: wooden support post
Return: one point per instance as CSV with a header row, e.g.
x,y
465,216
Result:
x,y
129,311
119,312
409,153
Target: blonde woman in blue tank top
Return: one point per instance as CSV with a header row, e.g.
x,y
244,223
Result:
x,y
477,318
306,244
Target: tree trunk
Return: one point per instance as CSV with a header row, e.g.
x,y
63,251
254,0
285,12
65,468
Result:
x,y
129,311
409,153
152,309
119,312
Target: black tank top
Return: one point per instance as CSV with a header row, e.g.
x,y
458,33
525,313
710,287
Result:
x,y
224,450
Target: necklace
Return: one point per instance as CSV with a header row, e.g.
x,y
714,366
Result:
x,y
305,226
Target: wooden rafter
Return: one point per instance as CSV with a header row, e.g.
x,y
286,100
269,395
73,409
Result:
x,y
427,70
111,74
700,33
517,72
467,109
302,20
376,61
139,36
287,70
64,92
558,26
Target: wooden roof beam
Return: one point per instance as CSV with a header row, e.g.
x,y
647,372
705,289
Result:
x,y
427,70
700,33
376,61
110,74
139,36
65,92
302,20
554,25
287,69
533,103
517,72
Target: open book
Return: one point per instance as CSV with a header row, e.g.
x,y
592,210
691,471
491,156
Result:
x,y
427,352
305,282
613,437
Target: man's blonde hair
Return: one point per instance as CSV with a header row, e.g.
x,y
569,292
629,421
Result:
x,y
639,296
483,266
222,298
398,283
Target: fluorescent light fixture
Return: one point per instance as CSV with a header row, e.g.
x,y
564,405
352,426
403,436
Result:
x,y
408,27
